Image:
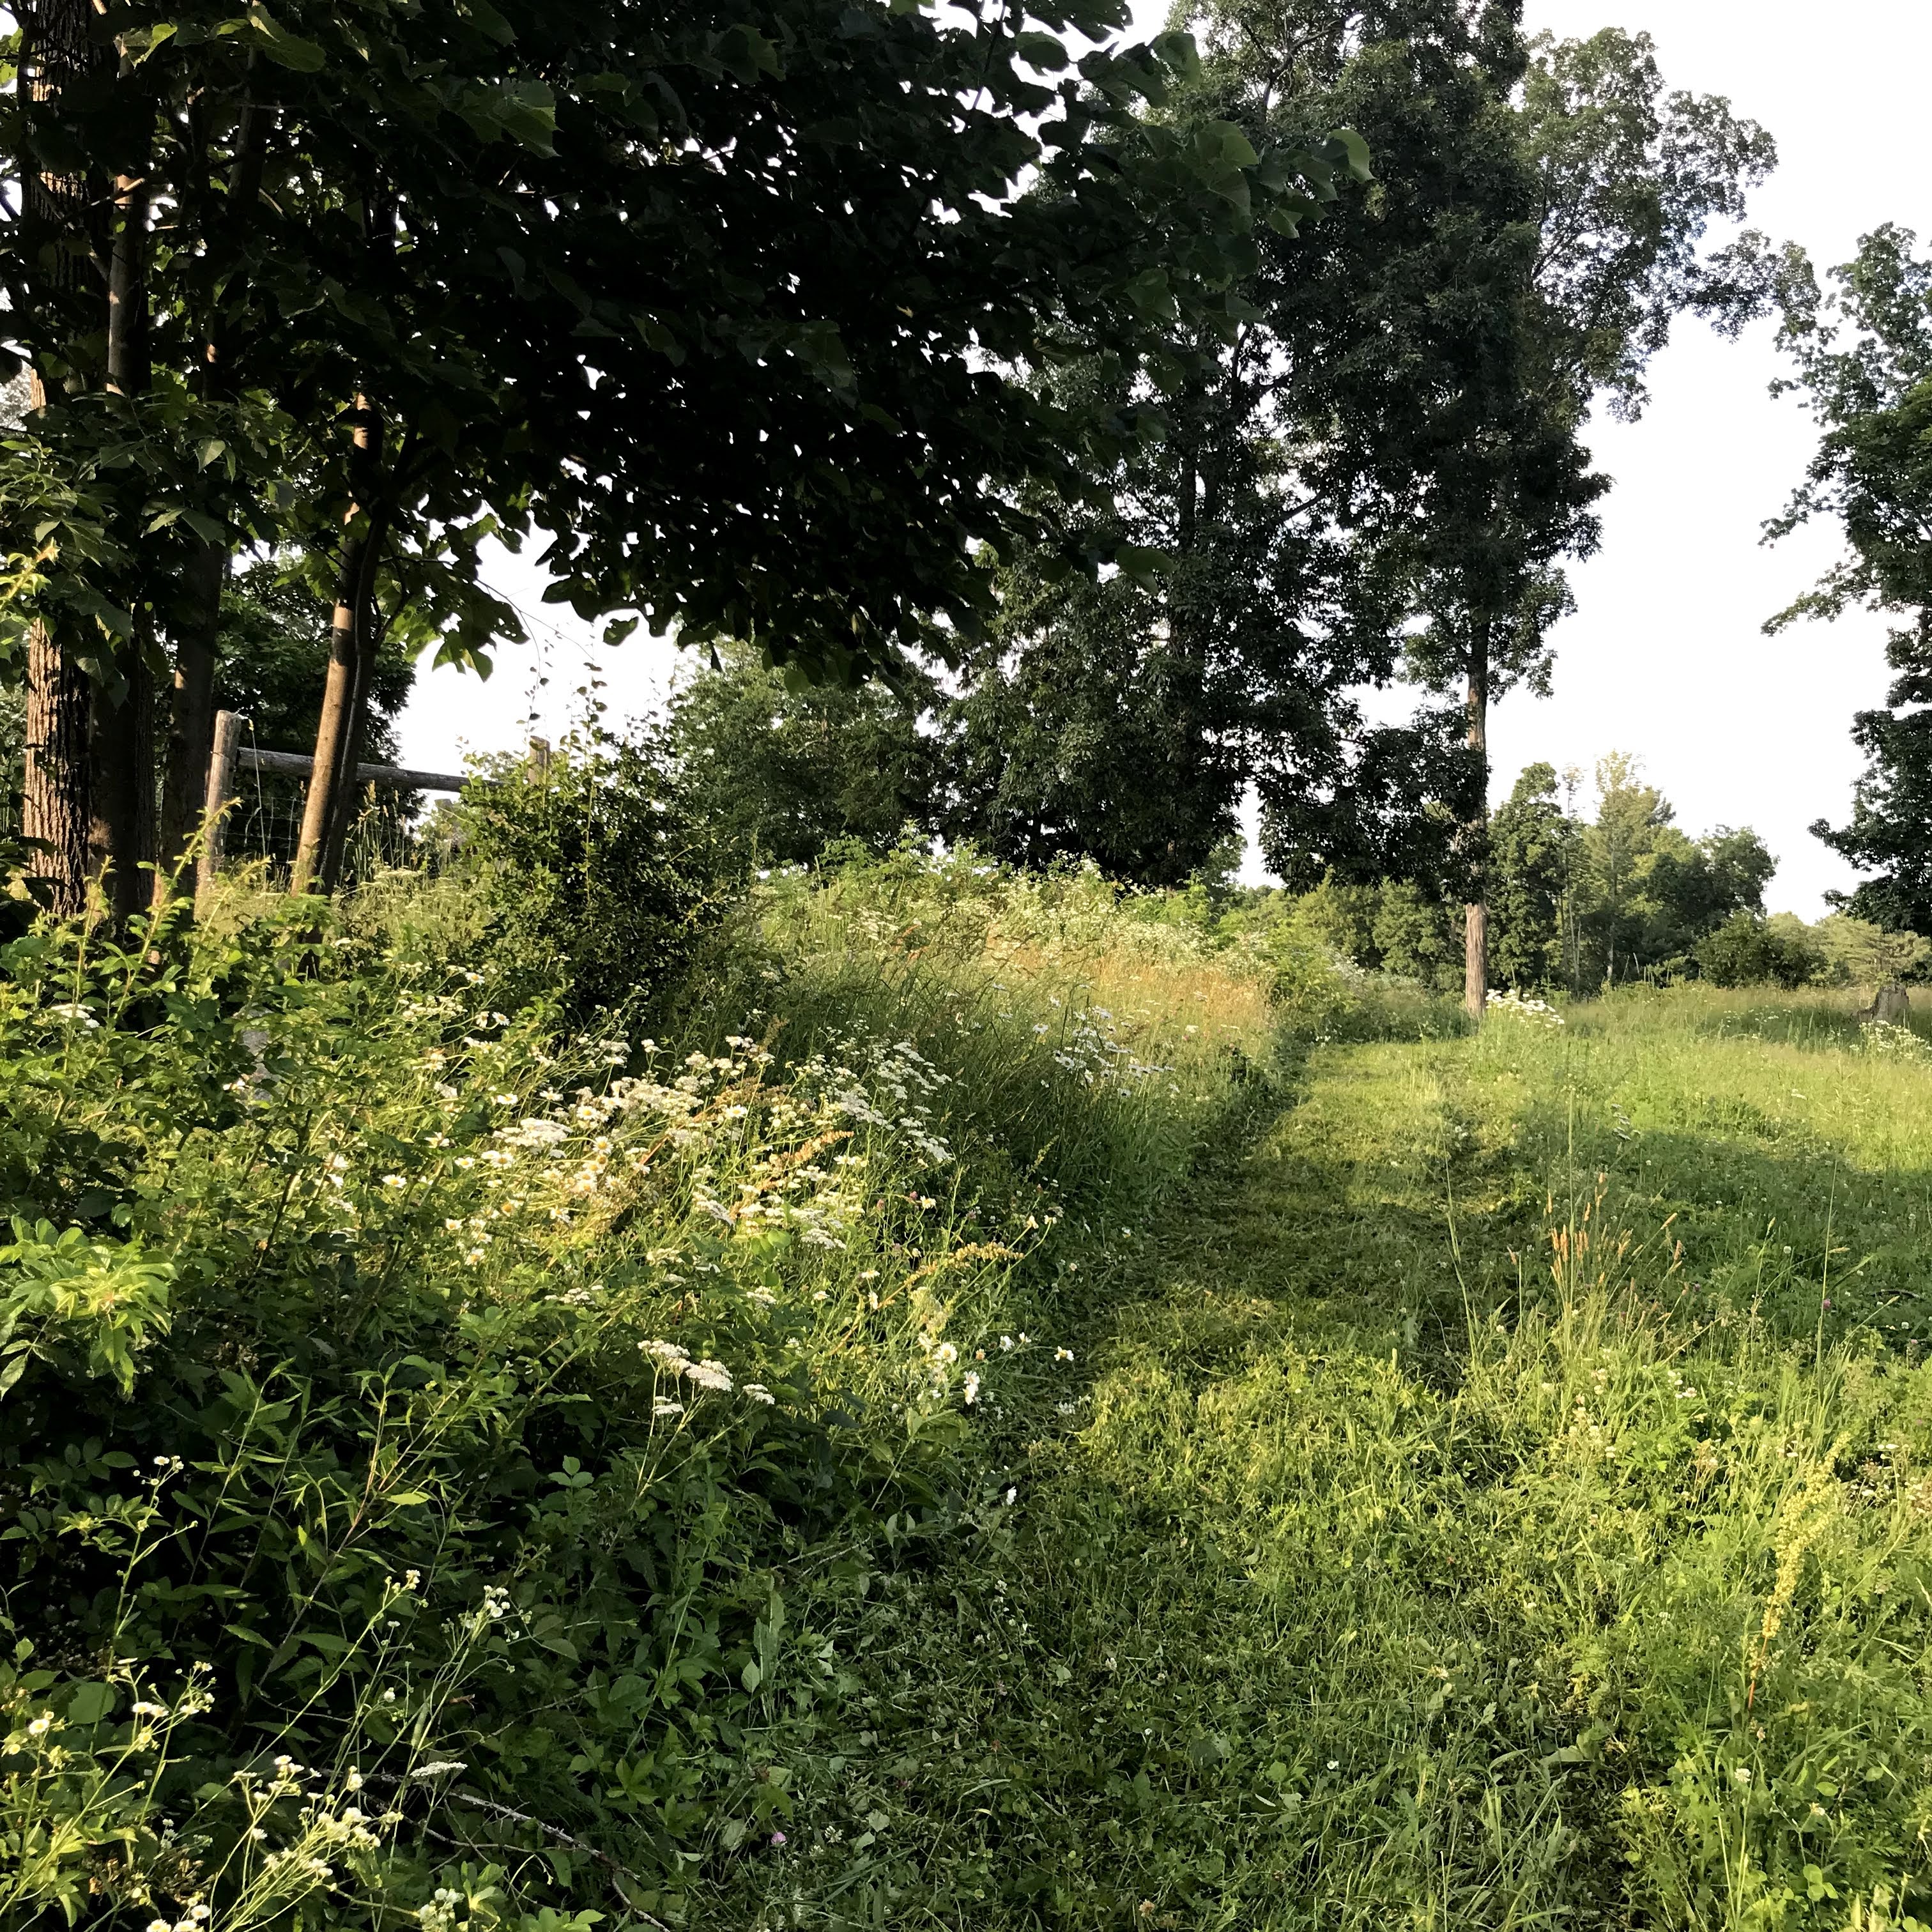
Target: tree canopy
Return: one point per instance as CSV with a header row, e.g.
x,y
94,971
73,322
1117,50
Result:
x,y
1861,348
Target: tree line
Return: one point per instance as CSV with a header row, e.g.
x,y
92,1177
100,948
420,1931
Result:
x,y
1579,896
1137,405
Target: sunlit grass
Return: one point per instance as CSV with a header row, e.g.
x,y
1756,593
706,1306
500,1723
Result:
x,y
1505,1500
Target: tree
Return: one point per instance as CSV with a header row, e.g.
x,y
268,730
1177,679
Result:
x,y
1645,892
1124,718
734,305
1532,852
1749,951
1863,353
1627,181
779,768
272,657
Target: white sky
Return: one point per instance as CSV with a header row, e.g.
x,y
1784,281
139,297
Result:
x,y
1665,657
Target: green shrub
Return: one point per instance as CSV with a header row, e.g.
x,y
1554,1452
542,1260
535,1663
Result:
x,y
597,878
1748,951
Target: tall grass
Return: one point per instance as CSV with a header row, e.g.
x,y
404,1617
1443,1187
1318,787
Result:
x,y
1455,1521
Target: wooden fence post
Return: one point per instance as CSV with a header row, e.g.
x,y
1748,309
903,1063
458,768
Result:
x,y
537,764
221,793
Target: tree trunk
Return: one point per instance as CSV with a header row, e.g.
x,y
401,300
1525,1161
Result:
x,y
334,732
343,812
318,855
1476,912
57,811
122,833
58,212
123,737
191,719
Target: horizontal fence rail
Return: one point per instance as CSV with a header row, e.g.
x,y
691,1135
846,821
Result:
x,y
231,760
299,764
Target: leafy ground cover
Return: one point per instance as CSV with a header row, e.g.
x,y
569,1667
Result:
x,y
423,1418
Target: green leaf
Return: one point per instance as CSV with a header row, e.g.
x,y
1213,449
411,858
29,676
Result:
x,y
1047,52
89,1702
1356,149
745,53
142,41
1223,144
283,48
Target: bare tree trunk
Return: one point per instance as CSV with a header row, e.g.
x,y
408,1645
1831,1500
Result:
x,y
191,711
1476,912
334,733
343,811
352,651
123,746
190,722
57,812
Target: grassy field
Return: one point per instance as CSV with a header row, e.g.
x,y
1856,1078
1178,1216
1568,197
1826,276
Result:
x,y
1502,1496
994,1406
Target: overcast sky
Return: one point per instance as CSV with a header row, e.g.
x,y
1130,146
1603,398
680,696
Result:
x,y
1665,656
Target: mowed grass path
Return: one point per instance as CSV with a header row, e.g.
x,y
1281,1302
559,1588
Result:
x,y
1501,1497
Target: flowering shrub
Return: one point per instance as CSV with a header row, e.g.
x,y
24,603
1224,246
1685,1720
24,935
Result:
x,y
416,1416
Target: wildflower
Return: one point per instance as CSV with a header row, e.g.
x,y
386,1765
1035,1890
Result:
x,y
465,1160
1334,1764
663,1409
945,1354
777,1838
353,1781
41,1725
927,1201
710,1375
972,1390
1742,1773
393,1181
144,1709
503,1099
758,1392
1012,1497
72,1010
1006,1345
667,1355
1063,1355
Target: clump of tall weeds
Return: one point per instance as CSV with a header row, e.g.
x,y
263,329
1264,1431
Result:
x,y
417,1411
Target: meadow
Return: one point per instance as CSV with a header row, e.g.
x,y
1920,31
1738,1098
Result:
x,y
1009,1405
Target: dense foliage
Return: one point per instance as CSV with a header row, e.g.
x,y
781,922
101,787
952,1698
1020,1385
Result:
x,y
1863,356
780,769
423,1426
736,308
